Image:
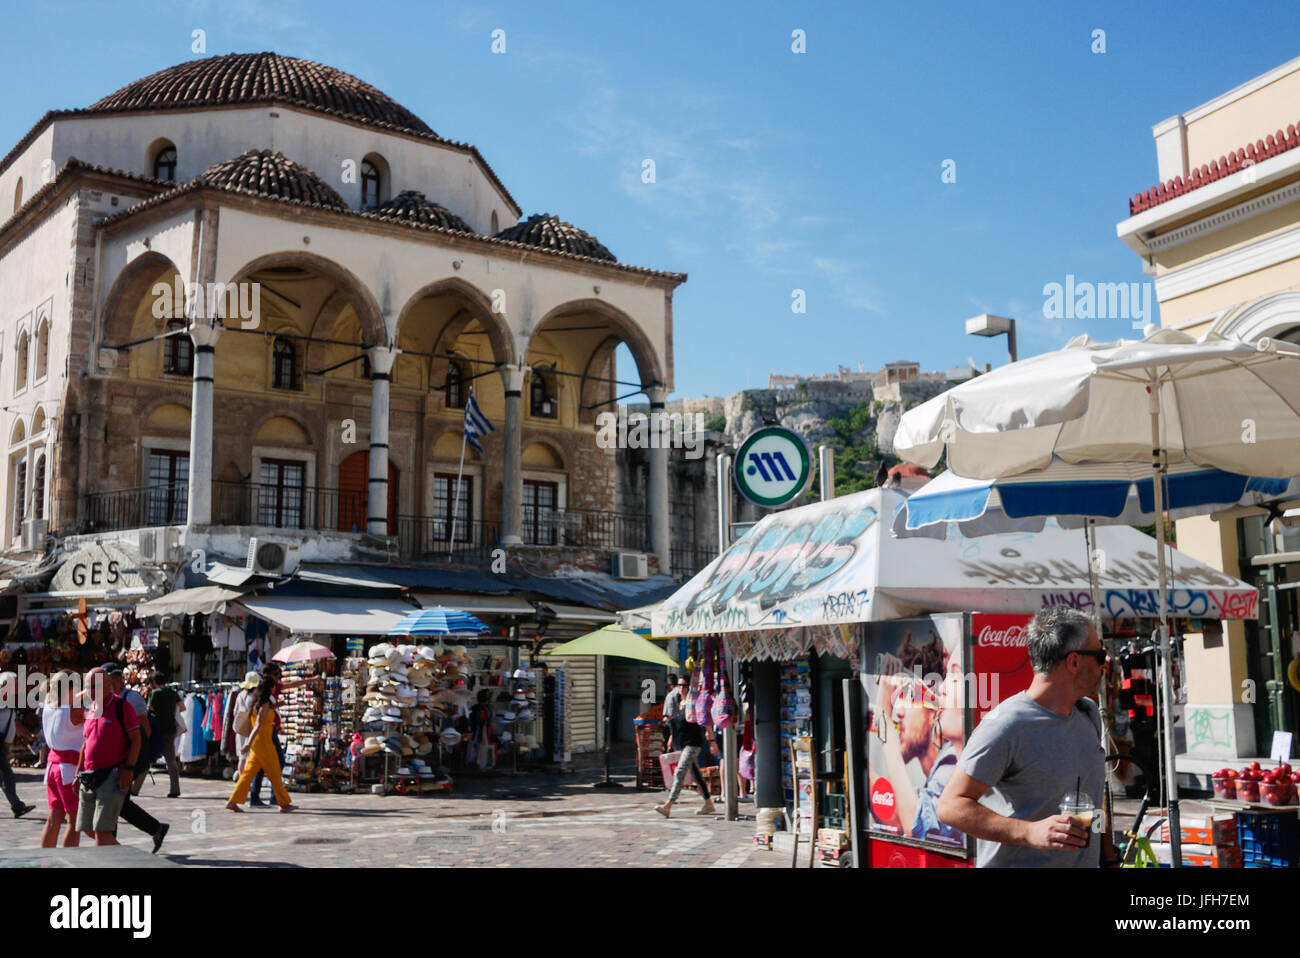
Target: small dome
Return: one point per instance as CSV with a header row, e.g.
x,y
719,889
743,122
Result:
x,y
550,232
411,206
268,173
261,78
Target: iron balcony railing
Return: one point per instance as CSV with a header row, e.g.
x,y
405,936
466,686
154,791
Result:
x,y
420,537
584,529
159,505
287,506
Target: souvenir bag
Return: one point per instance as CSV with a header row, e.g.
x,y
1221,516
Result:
x,y
704,702
692,696
746,768
724,707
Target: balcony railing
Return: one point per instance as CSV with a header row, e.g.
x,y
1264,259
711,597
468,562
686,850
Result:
x,y
287,507
420,537
160,505
584,529
688,560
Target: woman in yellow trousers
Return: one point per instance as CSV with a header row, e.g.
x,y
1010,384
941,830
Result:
x,y
261,752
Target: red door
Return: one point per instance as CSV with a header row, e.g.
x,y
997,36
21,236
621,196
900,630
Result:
x,y
354,493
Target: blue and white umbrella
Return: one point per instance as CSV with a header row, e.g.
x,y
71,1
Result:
x,y
439,620
1111,493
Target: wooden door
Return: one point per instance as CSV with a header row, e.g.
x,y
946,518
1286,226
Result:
x,y
354,493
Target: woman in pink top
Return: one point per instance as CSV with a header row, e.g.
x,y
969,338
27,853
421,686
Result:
x,y
63,724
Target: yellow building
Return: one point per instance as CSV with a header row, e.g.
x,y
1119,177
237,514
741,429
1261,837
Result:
x,y
1220,236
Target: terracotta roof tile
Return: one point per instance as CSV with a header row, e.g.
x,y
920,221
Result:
x,y
550,232
268,173
411,206
1234,162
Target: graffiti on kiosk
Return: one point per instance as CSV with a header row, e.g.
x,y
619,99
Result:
x,y
1011,569
776,565
1143,603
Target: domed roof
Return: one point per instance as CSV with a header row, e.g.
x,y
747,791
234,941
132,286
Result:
x,y
236,78
411,206
268,173
551,232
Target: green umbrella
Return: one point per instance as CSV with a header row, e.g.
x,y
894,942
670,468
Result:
x,y
618,642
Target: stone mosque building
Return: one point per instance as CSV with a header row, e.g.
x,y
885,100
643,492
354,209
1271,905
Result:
x,y
250,294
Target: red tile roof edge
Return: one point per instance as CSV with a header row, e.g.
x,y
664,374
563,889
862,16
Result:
x,y
1234,162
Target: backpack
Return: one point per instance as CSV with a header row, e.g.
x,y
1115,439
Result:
x,y
151,747
243,718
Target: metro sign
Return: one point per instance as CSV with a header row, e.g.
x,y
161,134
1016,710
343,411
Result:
x,y
773,466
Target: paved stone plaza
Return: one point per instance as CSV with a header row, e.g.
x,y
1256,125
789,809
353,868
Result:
x,y
541,820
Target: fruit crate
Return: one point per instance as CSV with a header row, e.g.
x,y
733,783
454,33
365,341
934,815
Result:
x,y
1269,840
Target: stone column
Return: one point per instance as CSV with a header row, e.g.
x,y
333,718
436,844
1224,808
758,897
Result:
x,y
512,492
659,439
382,359
205,336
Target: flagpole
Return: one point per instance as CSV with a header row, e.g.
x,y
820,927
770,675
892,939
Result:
x,y
456,502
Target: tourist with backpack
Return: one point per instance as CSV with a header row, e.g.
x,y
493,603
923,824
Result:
x,y
150,747
164,703
105,766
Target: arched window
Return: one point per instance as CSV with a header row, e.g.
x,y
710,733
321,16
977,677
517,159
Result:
x,y
284,364
38,489
21,356
42,350
164,164
178,350
20,495
455,388
18,195
541,394
370,184
496,225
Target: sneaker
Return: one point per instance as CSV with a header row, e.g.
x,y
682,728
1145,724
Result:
x,y
158,839
22,810
705,809
663,810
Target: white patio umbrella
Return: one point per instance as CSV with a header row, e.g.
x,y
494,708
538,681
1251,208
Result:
x,y
1218,403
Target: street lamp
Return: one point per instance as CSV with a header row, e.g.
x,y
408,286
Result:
x,y
987,325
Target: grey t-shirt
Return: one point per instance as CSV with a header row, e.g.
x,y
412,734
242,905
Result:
x,y
1031,757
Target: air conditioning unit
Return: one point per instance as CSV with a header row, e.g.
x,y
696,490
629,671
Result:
x,y
267,557
156,545
630,565
33,534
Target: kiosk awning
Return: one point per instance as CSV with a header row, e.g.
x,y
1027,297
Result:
x,y
318,615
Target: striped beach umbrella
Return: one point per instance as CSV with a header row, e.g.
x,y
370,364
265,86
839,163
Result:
x,y
439,620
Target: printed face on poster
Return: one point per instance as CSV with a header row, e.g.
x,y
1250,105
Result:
x,y
912,676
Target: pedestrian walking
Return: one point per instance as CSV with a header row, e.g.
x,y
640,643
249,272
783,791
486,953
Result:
x,y
274,670
107,761
243,719
262,755
164,703
672,703
11,730
63,724
132,813
688,737
1033,751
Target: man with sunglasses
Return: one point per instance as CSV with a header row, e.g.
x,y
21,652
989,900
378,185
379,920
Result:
x,y
1031,751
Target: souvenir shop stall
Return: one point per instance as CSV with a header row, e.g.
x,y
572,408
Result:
x,y
823,593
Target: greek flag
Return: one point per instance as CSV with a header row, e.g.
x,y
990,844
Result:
x,y
476,424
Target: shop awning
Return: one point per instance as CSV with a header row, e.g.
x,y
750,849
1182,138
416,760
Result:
x,y
836,562
203,600
578,613
477,604
320,615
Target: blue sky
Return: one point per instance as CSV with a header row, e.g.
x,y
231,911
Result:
x,y
775,171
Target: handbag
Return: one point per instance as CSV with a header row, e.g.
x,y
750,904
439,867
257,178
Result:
x,y
704,704
746,764
724,707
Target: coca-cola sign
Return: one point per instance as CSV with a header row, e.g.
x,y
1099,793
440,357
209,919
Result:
x,y
1001,650
1003,638
882,799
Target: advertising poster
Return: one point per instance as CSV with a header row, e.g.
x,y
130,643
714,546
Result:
x,y
999,658
913,680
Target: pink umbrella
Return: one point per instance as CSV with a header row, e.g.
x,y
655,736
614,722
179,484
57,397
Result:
x,y
302,652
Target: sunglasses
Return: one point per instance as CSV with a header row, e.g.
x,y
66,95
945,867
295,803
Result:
x,y
1097,655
